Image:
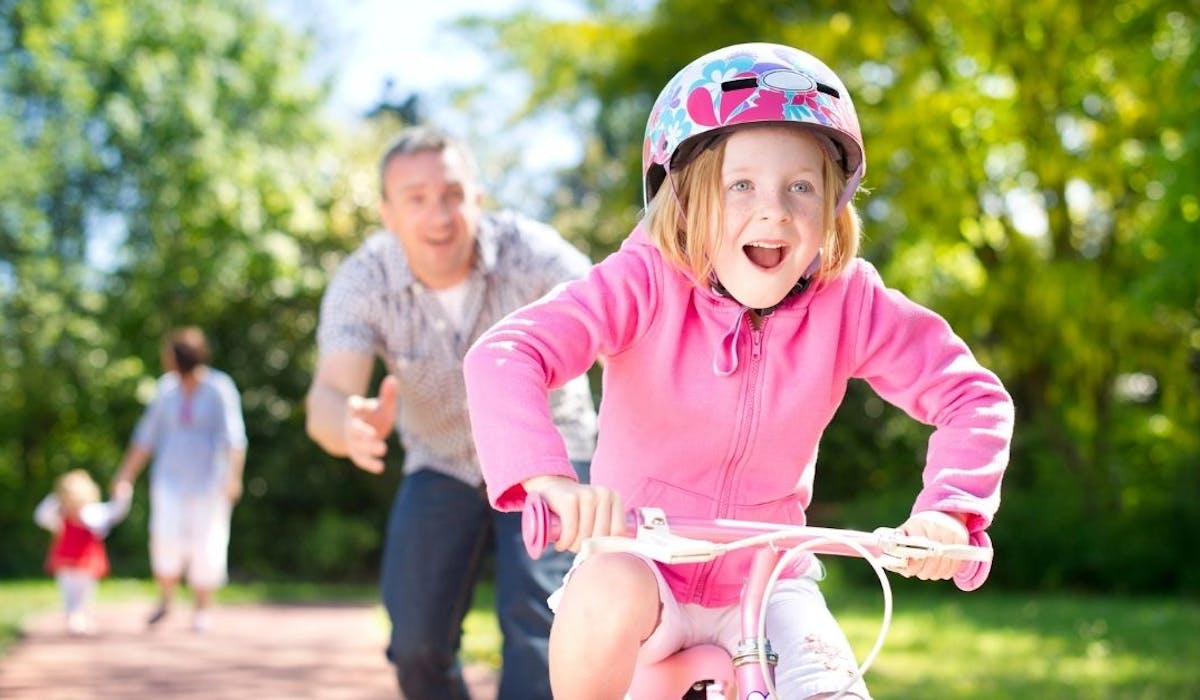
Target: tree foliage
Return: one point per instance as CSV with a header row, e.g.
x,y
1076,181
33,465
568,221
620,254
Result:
x,y
166,164
1032,176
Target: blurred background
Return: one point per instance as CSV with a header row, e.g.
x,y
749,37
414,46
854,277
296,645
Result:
x,y
1032,175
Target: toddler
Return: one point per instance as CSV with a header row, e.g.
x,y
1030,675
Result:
x,y
77,558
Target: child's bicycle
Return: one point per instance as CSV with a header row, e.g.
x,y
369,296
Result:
x,y
708,671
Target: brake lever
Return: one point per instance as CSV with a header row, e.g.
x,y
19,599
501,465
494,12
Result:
x,y
655,540
661,547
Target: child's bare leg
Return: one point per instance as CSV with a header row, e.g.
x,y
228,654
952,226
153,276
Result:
x,y
610,606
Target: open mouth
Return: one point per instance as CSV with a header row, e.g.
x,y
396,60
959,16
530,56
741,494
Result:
x,y
439,242
767,256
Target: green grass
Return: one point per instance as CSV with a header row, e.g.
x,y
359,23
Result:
x,y
995,645
942,644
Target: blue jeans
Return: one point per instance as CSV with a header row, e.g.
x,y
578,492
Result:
x,y
439,535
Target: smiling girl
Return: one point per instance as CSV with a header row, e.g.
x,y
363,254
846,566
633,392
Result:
x,y
729,324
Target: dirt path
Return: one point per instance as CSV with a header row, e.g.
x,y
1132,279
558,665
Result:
x,y
251,652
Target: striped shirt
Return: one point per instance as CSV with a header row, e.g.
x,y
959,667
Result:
x,y
375,304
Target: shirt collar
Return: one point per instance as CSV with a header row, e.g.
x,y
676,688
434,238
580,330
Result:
x,y
487,243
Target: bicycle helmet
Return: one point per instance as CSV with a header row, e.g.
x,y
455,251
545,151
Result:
x,y
747,84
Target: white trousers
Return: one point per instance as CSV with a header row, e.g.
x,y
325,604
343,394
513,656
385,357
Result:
x,y
190,534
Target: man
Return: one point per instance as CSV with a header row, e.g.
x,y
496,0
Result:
x,y
416,295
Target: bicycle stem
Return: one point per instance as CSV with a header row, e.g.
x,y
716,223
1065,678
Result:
x,y
753,649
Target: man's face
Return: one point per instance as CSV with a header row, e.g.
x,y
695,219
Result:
x,y
432,204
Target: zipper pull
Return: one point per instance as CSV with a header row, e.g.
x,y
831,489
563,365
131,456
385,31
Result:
x,y
725,362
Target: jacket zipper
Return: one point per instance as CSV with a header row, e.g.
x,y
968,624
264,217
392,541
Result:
x,y
745,420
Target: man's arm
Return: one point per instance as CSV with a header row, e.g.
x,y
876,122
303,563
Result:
x,y
340,375
340,419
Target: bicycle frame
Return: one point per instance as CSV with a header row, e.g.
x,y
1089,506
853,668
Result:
x,y
677,540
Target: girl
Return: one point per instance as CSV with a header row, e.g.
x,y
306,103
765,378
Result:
x,y
729,324
77,557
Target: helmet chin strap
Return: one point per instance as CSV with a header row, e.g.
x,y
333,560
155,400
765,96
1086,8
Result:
x,y
797,289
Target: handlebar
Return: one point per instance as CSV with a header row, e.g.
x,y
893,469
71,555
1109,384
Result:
x,y
673,540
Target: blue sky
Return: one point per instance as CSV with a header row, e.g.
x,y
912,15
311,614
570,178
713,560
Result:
x,y
363,43
408,41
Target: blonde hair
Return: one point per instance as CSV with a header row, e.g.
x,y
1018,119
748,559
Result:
x,y
76,489
684,219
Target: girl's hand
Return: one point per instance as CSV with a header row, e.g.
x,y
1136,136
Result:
x,y
583,510
945,528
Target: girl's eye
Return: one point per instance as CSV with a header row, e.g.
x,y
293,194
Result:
x,y
800,187
740,186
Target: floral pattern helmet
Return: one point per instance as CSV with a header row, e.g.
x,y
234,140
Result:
x,y
747,84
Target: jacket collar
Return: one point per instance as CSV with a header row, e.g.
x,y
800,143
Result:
x,y
725,356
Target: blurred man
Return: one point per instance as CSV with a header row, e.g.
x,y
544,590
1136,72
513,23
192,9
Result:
x,y
416,295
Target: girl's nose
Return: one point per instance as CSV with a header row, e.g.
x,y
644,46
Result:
x,y
773,206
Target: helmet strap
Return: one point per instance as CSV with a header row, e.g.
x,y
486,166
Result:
x,y
674,193
797,289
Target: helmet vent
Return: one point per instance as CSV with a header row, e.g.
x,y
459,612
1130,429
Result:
x,y
739,84
786,80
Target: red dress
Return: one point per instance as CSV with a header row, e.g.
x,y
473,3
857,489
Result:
x,y
77,547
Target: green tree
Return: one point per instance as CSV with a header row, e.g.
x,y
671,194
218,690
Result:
x,y
1032,171
166,163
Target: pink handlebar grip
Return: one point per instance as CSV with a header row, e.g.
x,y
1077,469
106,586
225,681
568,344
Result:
x,y
972,574
539,525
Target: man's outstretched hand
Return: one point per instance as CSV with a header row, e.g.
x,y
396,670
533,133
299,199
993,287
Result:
x,y
368,423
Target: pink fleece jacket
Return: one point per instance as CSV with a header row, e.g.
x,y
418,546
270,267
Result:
x,y
705,416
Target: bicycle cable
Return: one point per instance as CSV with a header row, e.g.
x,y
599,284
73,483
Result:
x,y
784,562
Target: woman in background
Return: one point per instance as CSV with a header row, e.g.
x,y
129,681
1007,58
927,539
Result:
x,y
195,431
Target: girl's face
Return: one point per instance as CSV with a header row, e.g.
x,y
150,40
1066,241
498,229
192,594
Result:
x,y
773,197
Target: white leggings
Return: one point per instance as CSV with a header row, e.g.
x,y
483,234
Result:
x,y
815,656
77,587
